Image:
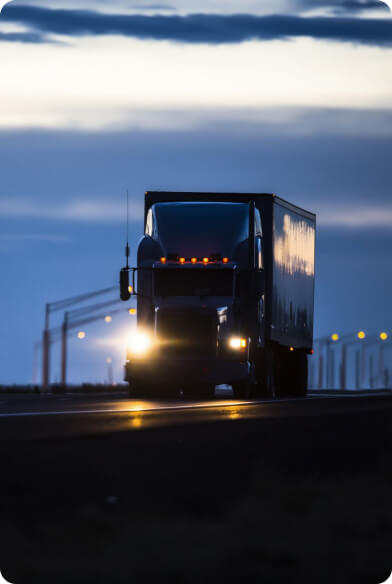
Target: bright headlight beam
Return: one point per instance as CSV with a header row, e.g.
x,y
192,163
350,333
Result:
x,y
238,343
139,343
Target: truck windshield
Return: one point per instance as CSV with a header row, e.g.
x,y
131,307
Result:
x,y
200,229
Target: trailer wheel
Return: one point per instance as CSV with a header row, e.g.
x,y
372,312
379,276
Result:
x,y
300,386
264,386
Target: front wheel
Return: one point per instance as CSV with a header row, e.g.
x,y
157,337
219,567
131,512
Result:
x,y
241,390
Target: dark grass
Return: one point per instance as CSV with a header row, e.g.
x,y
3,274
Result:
x,y
285,500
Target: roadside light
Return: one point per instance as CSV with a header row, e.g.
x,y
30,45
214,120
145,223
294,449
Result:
x,y
194,260
163,260
292,349
225,260
361,335
182,260
132,311
238,343
108,319
139,343
384,336
206,260
335,337
81,335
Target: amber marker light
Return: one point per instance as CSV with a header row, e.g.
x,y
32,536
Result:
x,y
163,260
335,337
384,336
130,289
206,260
182,260
225,260
132,311
194,260
361,335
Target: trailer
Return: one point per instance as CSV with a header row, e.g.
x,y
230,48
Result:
x,y
225,295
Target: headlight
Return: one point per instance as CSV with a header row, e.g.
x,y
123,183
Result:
x,y
139,344
238,343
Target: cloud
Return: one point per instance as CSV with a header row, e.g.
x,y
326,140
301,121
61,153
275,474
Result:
x,y
84,211
356,217
344,6
202,28
25,37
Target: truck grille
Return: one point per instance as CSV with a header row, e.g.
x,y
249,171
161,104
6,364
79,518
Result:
x,y
184,334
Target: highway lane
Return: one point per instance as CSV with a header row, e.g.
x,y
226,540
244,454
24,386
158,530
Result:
x,y
43,416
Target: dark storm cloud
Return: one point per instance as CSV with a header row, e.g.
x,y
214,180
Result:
x,y
344,6
23,37
202,28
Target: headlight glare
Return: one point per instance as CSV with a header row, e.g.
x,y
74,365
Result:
x,y
139,343
238,343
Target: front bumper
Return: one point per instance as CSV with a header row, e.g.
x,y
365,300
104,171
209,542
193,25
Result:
x,y
191,372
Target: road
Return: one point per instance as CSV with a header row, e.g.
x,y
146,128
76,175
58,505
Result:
x,y
40,416
108,489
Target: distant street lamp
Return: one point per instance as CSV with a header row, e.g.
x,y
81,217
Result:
x,y
81,335
108,319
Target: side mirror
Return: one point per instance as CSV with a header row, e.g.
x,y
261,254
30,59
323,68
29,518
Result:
x,y
124,284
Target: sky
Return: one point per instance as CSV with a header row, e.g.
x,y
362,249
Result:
x,y
286,96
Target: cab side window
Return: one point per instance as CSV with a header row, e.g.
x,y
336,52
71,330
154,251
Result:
x,y
149,224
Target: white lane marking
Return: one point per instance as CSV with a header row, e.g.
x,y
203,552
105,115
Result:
x,y
165,408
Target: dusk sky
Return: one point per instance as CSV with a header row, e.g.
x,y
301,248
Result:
x,y
286,96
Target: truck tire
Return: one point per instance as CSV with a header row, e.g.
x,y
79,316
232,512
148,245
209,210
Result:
x,y
264,386
241,390
300,386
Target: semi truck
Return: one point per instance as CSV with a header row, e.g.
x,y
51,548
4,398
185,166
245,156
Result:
x,y
225,295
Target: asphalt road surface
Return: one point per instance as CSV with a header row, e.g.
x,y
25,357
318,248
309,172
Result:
x,y
108,489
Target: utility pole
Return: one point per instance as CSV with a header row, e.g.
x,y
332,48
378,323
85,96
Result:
x,y
46,350
46,336
64,333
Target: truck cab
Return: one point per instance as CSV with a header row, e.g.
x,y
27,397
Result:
x,y
202,287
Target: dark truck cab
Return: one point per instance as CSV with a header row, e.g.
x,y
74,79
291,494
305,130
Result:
x,y
225,295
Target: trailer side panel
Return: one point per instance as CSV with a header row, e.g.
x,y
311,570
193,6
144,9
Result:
x,y
292,276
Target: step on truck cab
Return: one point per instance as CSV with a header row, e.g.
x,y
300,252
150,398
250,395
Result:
x,y
225,295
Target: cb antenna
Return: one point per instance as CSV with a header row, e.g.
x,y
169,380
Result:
x,y
127,251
